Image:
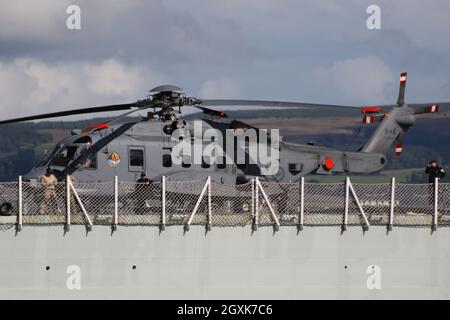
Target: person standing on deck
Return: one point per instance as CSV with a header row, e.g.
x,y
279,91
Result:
x,y
141,193
434,172
48,182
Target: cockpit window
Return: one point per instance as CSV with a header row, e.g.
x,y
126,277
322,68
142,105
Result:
x,y
50,157
64,156
83,140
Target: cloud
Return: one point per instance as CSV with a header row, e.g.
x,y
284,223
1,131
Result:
x,y
361,80
112,78
29,86
219,88
272,49
138,30
31,19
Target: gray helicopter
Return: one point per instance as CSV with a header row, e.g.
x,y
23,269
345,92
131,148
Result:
x,y
157,144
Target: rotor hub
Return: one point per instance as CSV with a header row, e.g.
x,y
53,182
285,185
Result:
x,y
167,98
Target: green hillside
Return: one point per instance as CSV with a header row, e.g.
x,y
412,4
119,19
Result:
x,y
24,145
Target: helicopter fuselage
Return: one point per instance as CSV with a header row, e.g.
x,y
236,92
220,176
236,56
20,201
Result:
x,y
147,147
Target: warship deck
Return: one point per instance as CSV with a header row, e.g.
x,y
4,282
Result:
x,y
266,241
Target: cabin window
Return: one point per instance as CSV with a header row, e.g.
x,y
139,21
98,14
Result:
x,y
295,168
167,160
136,159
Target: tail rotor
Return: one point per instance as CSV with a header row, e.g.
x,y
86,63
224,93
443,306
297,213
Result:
x,y
393,125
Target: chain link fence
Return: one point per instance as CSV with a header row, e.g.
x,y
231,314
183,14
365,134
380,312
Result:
x,y
414,205
231,205
324,204
211,204
283,198
375,199
181,199
138,203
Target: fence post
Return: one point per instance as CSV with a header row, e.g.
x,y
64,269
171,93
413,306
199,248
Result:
x,y
392,207
360,208
302,204
256,200
197,205
19,216
347,199
208,226
436,204
80,203
116,204
162,226
259,186
253,200
68,203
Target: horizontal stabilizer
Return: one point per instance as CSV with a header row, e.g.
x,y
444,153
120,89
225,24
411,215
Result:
x,y
423,108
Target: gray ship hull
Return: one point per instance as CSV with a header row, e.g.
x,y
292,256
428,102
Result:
x,y
226,263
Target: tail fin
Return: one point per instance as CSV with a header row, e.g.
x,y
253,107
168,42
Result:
x,y
394,125
392,129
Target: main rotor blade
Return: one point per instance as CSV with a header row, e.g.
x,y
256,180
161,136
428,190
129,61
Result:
x,y
212,112
115,107
126,114
272,104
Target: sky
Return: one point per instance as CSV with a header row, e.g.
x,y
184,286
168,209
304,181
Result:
x,y
310,51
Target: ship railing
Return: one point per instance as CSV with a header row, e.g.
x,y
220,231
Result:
x,y
206,203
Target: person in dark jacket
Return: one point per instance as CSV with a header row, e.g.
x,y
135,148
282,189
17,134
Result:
x,y
141,193
434,171
144,180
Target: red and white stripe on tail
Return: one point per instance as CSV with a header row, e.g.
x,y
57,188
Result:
x,y
370,113
368,119
398,149
403,78
432,109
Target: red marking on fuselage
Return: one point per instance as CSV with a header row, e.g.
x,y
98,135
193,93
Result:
x,y
328,164
398,149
